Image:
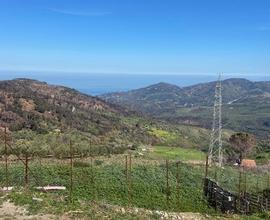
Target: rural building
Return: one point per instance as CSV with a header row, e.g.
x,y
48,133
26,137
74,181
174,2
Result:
x,y
246,163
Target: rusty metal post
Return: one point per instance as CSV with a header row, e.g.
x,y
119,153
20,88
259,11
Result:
x,y
6,158
127,177
178,185
26,180
257,185
245,182
215,198
245,191
239,187
91,163
267,204
130,179
267,197
167,184
206,167
130,163
93,179
215,174
90,148
71,172
126,167
205,176
91,170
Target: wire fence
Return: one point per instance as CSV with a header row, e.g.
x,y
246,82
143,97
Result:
x,y
228,202
133,180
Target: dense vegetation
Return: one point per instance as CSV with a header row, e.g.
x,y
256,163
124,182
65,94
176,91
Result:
x,y
245,104
42,119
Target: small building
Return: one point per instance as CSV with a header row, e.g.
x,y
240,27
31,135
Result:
x,y
248,164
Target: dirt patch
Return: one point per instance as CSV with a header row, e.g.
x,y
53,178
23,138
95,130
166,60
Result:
x,y
159,214
27,105
9,211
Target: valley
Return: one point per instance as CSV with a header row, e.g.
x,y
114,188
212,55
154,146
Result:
x,y
108,153
192,105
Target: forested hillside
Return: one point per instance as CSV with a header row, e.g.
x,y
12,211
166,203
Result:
x,y
42,118
245,104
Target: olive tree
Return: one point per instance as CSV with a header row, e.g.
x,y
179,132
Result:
x,y
242,143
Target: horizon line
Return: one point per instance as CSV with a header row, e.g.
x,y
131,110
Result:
x,y
129,73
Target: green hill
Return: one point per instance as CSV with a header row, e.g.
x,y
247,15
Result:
x,y
245,104
42,118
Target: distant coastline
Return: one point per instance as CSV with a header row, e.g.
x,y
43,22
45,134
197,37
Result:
x,y
96,84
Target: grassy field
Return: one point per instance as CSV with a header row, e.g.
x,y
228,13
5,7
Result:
x,y
182,136
177,153
146,189
103,181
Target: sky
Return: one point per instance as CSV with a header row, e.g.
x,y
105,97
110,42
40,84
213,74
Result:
x,y
136,36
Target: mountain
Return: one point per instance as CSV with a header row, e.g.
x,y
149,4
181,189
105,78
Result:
x,y
23,100
48,112
151,99
245,104
42,118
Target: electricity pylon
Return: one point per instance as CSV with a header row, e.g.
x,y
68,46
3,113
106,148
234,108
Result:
x,y
215,154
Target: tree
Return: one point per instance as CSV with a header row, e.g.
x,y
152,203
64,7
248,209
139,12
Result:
x,y
242,143
24,142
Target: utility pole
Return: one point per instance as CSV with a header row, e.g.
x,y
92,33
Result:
x,y
215,149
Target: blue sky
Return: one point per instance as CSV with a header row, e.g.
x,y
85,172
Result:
x,y
136,36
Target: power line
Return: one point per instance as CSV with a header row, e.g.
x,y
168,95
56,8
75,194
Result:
x,y
215,148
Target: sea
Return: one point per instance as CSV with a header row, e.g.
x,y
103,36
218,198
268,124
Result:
x,y
101,83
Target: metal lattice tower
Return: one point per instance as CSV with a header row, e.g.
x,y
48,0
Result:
x,y
215,154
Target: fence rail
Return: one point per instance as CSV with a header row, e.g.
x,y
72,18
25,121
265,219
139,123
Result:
x,y
229,202
132,180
